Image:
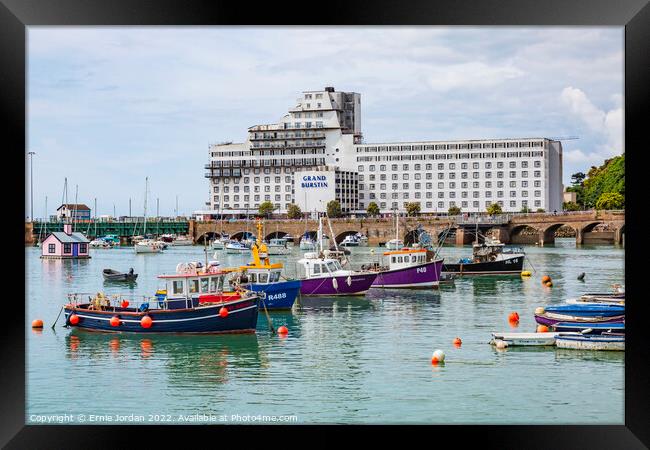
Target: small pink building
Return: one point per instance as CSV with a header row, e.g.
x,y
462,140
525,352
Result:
x,y
65,245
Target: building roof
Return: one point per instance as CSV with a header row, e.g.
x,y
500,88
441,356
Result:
x,y
77,206
75,237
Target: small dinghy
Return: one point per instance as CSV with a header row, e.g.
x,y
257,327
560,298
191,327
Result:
x,y
526,339
591,342
590,328
114,275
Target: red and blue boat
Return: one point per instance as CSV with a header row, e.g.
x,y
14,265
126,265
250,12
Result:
x,y
265,278
408,268
193,302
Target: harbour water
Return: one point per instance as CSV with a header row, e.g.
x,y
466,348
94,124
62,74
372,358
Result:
x,y
345,360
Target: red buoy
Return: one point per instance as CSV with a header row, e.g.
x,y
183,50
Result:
x,y
542,329
545,279
125,303
513,323
283,330
115,321
223,312
37,323
146,322
514,316
74,319
457,342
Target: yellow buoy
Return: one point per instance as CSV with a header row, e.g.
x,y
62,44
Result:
x,y
526,273
539,310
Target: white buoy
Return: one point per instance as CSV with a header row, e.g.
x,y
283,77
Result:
x,y
335,283
438,357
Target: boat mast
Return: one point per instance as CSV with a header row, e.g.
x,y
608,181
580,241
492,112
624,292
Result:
x,y
146,185
396,226
320,233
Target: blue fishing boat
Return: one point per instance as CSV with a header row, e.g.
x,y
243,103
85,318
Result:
x,y
263,277
587,310
603,341
193,302
590,328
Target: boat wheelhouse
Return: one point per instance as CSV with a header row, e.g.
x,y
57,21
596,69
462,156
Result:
x,y
234,247
491,257
351,240
408,268
278,246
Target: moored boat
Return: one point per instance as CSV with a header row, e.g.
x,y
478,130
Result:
x,y
307,243
350,240
408,268
181,240
525,339
100,243
609,342
147,246
192,302
234,247
489,258
583,310
114,275
278,246
590,328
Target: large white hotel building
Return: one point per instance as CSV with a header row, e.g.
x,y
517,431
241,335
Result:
x,y
315,154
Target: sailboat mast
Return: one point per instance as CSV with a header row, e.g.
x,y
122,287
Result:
x,y
146,185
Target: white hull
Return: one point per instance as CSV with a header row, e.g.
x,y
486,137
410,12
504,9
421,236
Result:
x,y
278,250
590,344
528,339
392,245
181,242
144,248
307,245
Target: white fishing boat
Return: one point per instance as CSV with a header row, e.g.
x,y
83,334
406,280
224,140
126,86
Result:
x,y
610,342
363,240
181,240
350,240
524,339
307,243
147,246
100,243
234,247
278,246
220,242
397,243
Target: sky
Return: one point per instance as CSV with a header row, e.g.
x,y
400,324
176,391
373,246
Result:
x,y
109,106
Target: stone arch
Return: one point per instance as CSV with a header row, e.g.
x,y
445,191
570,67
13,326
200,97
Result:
x,y
206,237
275,235
238,236
589,227
341,236
524,234
621,235
549,232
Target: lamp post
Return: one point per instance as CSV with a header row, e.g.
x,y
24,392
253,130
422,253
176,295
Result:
x,y
31,185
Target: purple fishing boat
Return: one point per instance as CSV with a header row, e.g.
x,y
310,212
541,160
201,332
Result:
x,y
550,319
408,268
325,276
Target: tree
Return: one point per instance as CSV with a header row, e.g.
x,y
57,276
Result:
x,y
525,209
294,212
266,209
494,209
610,200
540,210
608,178
334,209
453,211
570,206
413,208
373,209
578,178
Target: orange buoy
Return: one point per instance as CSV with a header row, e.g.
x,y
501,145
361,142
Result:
x,y
115,321
74,319
438,357
513,317
542,329
548,284
283,330
125,303
457,342
223,312
513,323
37,323
545,278
146,322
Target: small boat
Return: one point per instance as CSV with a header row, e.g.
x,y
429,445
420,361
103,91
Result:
x,y
525,339
351,240
447,278
220,243
590,328
100,243
408,268
290,239
363,240
583,310
262,276
307,243
114,275
489,258
550,319
181,240
277,246
147,246
162,244
326,276
394,244
234,247
112,239
193,302
603,341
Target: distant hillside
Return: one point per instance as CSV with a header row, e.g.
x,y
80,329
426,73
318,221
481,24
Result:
x,y
610,177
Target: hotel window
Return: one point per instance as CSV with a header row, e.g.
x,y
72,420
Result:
x,y
475,184
226,198
441,185
247,198
441,204
429,185
499,184
538,203
405,176
463,175
463,166
382,177
405,167
277,179
475,165
475,204
463,204
524,193
524,164
235,198
513,184
513,174
257,197
394,195
371,187
277,198
513,164
277,188
406,195
382,186
429,175
216,189
475,194
393,167
429,167
452,166
257,180
417,176
488,174
428,204
417,186
463,185
360,169
537,174
371,178
452,185
513,203
441,166
394,176
441,176
524,174
371,168
513,193
524,184
500,165
463,194
452,195
488,184
405,186
267,198
538,193
538,164
256,188
429,194
537,183
488,194
475,175
382,168
394,186
524,203
267,188
499,194
417,167
51,248
371,195
488,165
441,195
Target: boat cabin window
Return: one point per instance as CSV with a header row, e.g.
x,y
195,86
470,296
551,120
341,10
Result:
x,y
213,284
399,259
275,277
194,286
332,266
394,259
414,258
205,282
263,278
177,287
252,277
316,269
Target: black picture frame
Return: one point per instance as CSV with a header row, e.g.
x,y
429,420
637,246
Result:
x,y
634,15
